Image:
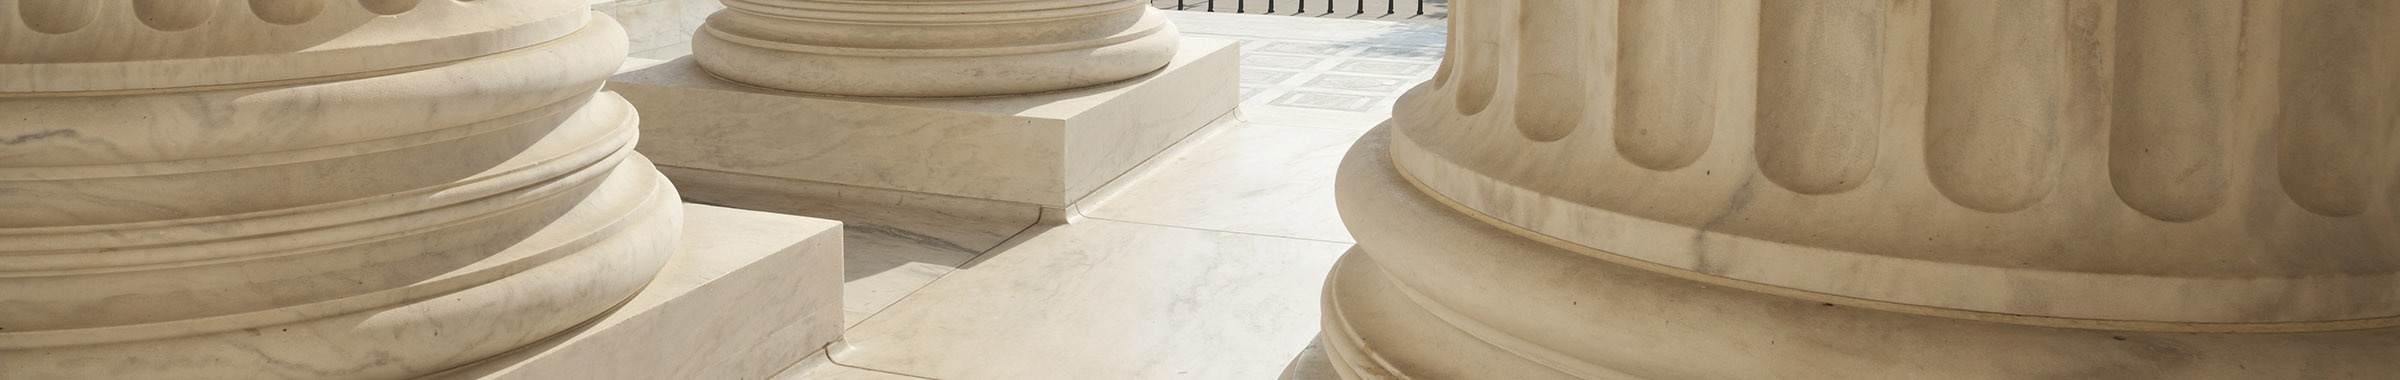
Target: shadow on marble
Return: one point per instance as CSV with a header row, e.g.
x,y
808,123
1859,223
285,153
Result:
x,y
1251,178
1320,72
655,28
1101,299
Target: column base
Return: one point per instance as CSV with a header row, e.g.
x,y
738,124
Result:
x,y
745,295
1048,149
1435,292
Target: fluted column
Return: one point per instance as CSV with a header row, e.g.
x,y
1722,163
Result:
x,y
311,189
933,48
1883,189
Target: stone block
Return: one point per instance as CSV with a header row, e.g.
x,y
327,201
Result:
x,y
746,294
1049,149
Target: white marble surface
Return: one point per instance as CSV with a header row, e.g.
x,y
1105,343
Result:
x,y
820,367
745,295
1102,299
1049,149
894,242
1322,72
1274,180
933,48
659,28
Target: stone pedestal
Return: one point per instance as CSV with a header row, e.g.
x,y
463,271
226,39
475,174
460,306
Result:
x,y
1032,103
314,189
1039,150
746,295
1878,189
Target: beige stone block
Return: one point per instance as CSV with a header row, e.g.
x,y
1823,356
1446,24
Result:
x,y
746,294
888,48
1048,149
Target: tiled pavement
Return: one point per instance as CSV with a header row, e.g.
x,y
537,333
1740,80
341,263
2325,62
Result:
x,y
1322,67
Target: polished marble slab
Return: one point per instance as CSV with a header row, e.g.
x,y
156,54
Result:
x,y
820,367
1050,149
1101,299
659,29
1320,71
1264,179
895,242
746,294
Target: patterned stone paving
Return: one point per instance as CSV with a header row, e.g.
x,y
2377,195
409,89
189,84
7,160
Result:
x,y
1297,63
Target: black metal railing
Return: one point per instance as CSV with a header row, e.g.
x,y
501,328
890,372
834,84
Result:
x,y
1354,8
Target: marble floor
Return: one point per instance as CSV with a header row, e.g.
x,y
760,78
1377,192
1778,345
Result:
x,y
1203,263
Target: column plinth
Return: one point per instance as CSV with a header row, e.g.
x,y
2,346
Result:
x,y
1014,104
1874,189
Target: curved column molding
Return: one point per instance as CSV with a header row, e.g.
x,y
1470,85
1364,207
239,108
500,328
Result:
x,y
922,48
1876,188
312,189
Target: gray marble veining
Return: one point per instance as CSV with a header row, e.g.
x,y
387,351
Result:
x,y
1246,177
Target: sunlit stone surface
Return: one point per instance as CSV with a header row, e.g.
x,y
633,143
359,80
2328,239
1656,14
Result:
x,y
916,48
1880,189
312,189
1025,103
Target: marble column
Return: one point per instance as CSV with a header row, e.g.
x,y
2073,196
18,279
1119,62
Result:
x,y
1852,189
923,48
312,189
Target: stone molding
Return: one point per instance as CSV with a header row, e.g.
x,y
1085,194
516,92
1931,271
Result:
x,y
418,186
2091,160
898,48
1881,189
